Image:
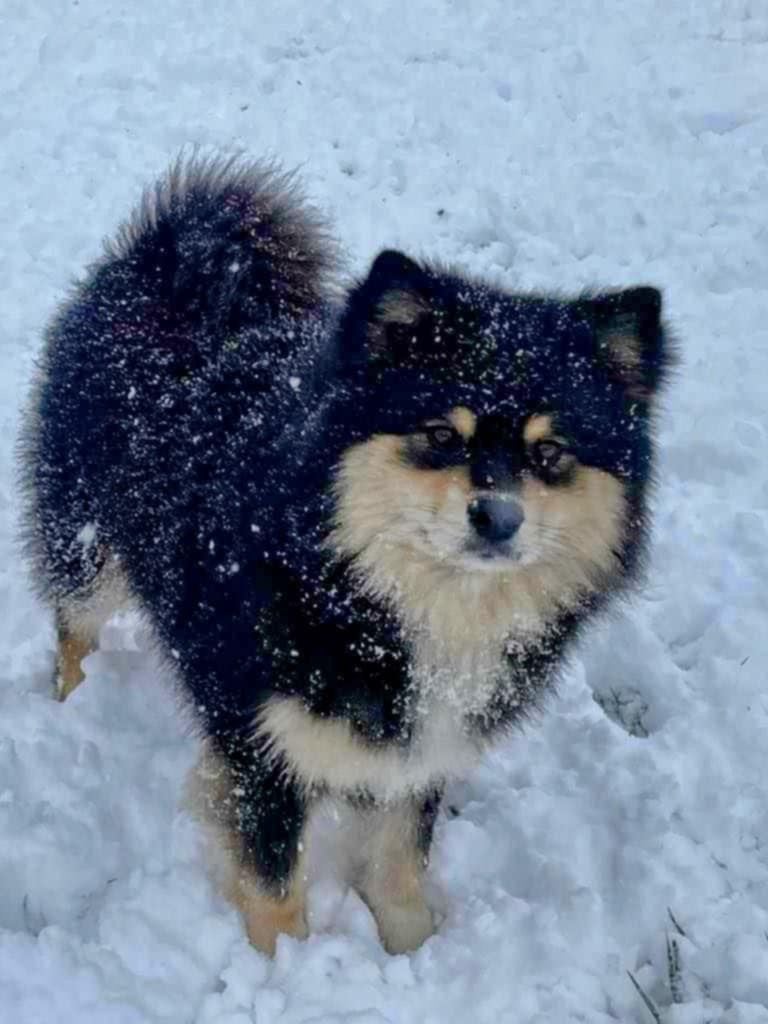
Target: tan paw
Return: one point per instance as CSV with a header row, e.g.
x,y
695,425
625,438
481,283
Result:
x,y
266,918
404,928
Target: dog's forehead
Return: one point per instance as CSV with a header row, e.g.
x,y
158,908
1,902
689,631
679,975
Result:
x,y
509,388
496,322
526,373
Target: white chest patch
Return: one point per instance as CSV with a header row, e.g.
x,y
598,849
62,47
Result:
x,y
329,752
459,625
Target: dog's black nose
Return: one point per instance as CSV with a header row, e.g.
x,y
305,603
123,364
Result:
x,y
495,519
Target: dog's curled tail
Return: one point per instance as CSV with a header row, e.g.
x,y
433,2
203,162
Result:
x,y
221,241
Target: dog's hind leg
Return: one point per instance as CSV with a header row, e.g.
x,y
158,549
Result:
x,y
74,641
79,619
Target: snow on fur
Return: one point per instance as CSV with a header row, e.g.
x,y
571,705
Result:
x,y
552,147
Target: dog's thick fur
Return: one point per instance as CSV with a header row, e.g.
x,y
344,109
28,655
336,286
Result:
x,y
364,532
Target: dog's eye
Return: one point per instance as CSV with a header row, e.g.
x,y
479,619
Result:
x,y
548,452
440,435
552,456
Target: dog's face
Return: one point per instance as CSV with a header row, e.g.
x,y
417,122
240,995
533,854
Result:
x,y
497,434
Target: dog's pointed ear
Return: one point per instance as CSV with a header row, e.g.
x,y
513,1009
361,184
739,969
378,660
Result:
x,y
630,338
385,310
392,266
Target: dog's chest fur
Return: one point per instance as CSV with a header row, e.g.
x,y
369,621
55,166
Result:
x,y
459,667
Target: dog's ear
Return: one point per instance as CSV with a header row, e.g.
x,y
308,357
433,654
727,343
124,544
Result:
x,y
385,311
630,338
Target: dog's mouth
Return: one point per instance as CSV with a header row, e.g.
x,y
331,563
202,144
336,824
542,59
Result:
x,y
480,555
476,554
489,551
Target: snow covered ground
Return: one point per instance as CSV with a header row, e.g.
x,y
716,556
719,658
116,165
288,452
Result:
x,y
550,144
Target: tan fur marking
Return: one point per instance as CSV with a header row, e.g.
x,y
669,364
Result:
x,y
266,917
323,751
537,428
582,522
464,420
109,594
621,340
396,307
623,347
72,648
393,878
79,619
401,307
407,530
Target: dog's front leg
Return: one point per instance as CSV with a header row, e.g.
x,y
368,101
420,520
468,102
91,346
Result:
x,y
258,814
396,849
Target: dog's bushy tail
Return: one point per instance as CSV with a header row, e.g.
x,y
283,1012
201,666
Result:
x,y
221,242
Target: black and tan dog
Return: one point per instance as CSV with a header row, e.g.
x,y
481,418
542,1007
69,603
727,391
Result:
x,y
363,532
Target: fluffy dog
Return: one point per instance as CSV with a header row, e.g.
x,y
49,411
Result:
x,y
364,530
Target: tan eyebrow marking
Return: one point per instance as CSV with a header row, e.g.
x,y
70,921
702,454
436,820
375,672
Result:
x,y
537,428
464,420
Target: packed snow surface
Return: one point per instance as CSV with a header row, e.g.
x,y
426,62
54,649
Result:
x,y
549,145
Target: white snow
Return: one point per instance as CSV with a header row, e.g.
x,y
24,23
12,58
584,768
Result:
x,y
87,535
546,144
